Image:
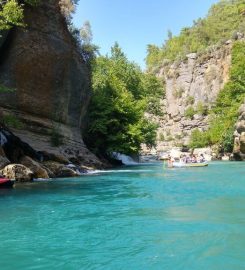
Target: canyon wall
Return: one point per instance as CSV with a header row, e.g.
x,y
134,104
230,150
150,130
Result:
x,y
192,87
48,83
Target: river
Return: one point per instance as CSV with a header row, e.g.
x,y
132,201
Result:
x,y
139,217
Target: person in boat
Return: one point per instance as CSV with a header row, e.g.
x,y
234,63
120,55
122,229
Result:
x,y
183,159
170,161
202,158
188,159
193,159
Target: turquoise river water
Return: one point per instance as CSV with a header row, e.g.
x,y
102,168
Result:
x,y
139,217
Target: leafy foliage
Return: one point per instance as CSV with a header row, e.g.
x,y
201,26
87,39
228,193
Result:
x,y
190,100
11,13
116,113
190,112
13,121
83,38
198,139
223,19
201,109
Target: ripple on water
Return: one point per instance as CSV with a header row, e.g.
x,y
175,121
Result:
x,y
140,217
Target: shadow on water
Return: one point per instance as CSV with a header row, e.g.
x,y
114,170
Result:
x,y
108,182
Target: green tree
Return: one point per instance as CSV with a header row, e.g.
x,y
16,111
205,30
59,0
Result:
x,y
116,113
11,13
86,33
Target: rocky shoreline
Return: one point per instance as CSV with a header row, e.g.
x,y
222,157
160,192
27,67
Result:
x,y
209,153
22,163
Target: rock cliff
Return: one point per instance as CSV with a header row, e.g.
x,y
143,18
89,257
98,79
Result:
x,y
191,88
48,83
239,135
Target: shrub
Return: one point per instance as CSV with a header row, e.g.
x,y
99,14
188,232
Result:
x,y
190,112
198,139
201,109
4,89
190,100
12,121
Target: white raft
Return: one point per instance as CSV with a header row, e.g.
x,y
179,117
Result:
x,y
182,164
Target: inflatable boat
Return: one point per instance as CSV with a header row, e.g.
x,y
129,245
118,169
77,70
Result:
x,y
6,183
182,165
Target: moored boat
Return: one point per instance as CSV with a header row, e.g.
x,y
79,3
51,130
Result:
x,y
6,183
183,165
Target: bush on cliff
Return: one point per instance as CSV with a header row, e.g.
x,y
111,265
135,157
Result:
x,y
11,13
189,112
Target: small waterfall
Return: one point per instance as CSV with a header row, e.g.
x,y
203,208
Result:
x,y
126,160
3,139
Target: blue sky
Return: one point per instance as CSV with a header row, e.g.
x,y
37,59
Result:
x,y
134,23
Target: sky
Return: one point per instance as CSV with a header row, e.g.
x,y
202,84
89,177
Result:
x,y
136,23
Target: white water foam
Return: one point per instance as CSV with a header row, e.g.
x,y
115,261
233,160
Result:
x,y
116,171
126,160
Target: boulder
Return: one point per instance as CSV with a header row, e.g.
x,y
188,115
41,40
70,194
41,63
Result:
x,y
18,172
225,158
60,170
38,170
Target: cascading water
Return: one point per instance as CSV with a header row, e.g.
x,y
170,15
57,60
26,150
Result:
x,y
3,139
126,160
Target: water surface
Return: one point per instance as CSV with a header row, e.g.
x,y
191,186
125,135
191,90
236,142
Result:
x,y
140,217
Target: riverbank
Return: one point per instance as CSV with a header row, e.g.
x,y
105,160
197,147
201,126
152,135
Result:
x,y
209,153
21,162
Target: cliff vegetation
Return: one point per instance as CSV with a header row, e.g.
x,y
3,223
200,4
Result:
x,y
223,21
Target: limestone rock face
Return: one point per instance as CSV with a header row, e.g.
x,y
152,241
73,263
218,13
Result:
x,y
193,83
18,172
50,81
239,135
